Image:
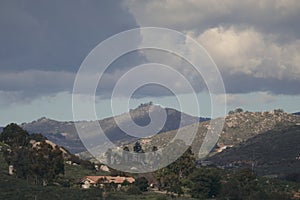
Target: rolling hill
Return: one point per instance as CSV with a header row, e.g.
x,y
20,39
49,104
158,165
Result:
x,y
274,152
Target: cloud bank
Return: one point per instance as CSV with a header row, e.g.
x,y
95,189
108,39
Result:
x,y
256,45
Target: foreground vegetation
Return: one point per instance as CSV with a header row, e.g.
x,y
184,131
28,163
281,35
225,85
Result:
x,y
183,179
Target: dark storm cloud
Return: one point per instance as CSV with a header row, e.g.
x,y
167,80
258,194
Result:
x,y
56,35
43,43
40,82
243,83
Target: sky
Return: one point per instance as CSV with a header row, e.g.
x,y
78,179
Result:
x,y
254,44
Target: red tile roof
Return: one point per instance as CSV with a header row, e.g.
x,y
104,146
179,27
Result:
x,y
108,179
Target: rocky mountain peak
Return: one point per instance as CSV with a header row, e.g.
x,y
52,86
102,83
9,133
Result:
x,y
65,133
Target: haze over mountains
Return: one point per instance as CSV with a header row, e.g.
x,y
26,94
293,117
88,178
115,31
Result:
x,y
243,132
65,133
238,127
267,141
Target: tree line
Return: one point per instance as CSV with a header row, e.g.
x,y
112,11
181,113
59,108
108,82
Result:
x,y
40,164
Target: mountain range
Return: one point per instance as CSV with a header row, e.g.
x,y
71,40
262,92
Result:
x,y
296,113
65,133
238,128
265,141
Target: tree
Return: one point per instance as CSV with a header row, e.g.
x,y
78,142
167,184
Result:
x,y
278,111
37,137
154,148
21,158
43,163
170,177
185,164
205,183
14,136
137,147
231,112
173,183
239,110
241,185
47,163
57,160
140,156
126,148
134,190
142,184
125,155
109,155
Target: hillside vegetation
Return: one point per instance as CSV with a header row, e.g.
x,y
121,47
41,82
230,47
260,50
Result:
x,y
238,128
273,152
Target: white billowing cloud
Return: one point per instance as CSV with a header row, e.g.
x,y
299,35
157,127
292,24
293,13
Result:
x,y
243,37
195,14
248,49
180,53
232,49
256,45
174,13
248,59
250,52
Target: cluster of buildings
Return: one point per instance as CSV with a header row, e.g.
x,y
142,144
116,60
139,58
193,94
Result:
x,y
99,181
